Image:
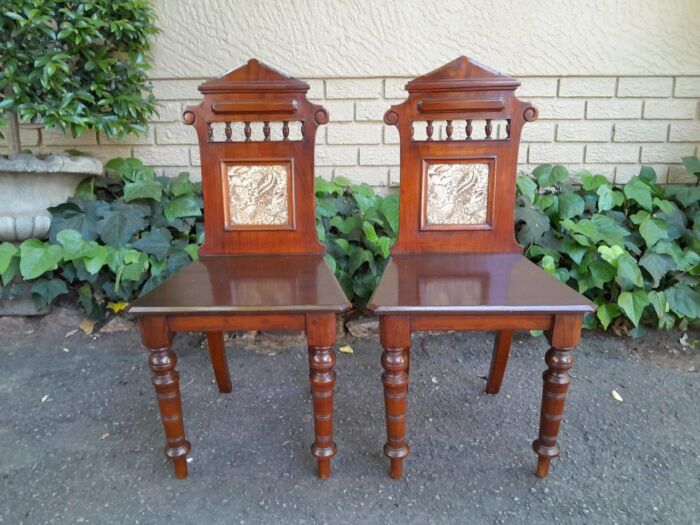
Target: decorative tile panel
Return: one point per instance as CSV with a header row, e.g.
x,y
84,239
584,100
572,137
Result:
x,y
258,195
457,193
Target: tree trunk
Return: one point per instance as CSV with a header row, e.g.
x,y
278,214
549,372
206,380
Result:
x,y
13,133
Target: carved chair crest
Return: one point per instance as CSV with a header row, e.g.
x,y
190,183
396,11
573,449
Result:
x,y
460,132
256,133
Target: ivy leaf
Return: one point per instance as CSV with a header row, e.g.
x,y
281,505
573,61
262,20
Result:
x,y
684,301
118,226
660,303
7,253
389,207
640,217
182,206
657,265
573,250
86,189
370,233
547,264
633,304
606,313
547,175
343,244
350,226
155,242
527,187
610,254
70,216
73,244
653,230
181,185
637,190
534,225
37,258
648,174
193,251
358,257
326,208
331,262
98,259
384,244
591,182
143,189
692,164
606,200
570,205
601,273
609,231
628,274
323,186
44,291
684,194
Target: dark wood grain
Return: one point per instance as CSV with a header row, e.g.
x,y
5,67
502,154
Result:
x,y
321,334
251,277
245,283
471,283
468,277
217,353
395,335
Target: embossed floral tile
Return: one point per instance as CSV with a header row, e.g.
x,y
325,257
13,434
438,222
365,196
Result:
x,y
258,194
457,193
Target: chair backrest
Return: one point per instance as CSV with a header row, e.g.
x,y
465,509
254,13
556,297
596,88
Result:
x,y
257,132
460,131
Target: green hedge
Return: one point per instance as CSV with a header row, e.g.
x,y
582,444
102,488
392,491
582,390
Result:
x,y
632,249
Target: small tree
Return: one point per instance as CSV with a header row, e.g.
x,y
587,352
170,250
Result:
x,y
75,65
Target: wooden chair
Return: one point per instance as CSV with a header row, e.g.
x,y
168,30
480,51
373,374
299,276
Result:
x,y
456,264
261,266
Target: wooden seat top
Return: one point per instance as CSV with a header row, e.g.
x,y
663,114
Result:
x,y
472,283
247,284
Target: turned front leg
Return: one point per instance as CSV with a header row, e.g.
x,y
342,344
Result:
x,y
321,334
563,337
395,336
166,380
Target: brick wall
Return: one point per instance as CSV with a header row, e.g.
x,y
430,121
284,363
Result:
x,y
608,125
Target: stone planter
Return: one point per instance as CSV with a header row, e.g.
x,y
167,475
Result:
x,y
29,185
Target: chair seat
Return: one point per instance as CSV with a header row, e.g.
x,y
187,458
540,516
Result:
x,y
472,284
247,284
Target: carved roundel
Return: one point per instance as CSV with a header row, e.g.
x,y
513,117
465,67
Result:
x,y
188,118
391,118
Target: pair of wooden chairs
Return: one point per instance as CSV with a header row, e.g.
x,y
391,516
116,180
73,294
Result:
x,y
455,266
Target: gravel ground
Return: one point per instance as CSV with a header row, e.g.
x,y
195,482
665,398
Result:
x,y
82,441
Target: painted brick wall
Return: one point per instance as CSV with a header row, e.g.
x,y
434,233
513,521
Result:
x,y
608,125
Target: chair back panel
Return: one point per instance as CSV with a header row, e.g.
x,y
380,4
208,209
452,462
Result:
x,y
256,133
459,130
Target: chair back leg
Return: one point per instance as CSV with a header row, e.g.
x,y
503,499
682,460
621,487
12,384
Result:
x,y
217,352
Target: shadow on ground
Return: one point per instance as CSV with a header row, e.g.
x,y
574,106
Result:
x,y
82,440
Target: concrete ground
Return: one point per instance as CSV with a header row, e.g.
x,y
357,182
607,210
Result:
x,y
81,440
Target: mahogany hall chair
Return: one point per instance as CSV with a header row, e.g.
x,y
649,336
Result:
x,y
456,264
261,266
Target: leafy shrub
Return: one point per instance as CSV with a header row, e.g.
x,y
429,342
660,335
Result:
x,y
119,237
358,228
634,249
76,65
